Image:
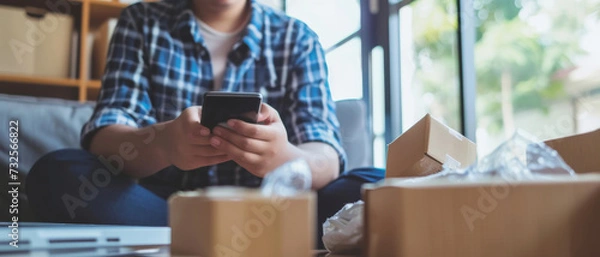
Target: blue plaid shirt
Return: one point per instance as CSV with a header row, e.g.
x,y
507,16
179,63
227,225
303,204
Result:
x,y
158,65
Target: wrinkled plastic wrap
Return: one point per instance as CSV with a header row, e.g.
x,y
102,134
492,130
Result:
x,y
342,233
517,159
520,158
291,178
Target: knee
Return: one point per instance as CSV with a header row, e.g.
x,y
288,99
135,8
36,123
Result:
x,y
55,166
59,160
348,185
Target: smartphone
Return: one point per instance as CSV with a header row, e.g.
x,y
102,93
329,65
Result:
x,y
219,107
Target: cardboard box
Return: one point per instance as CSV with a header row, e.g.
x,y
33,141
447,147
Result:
x,y
579,151
35,46
241,222
425,147
488,218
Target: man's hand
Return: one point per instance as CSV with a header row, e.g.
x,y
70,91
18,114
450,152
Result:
x,y
259,148
186,143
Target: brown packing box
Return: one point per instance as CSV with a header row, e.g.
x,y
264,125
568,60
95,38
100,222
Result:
x,y
488,218
581,152
425,147
241,222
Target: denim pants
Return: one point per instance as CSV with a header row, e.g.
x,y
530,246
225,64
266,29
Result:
x,y
63,186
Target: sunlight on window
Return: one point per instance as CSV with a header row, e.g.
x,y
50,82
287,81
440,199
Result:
x,y
378,105
538,66
345,74
429,62
332,20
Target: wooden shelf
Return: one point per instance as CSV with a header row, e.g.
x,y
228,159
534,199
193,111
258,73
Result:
x,y
34,3
106,9
100,11
33,80
95,84
89,16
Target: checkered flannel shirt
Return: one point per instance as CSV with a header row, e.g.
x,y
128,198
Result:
x,y
158,64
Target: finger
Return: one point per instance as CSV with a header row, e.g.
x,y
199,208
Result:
x,y
198,140
193,115
199,130
268,114
238,155
205,151
245,143
256,131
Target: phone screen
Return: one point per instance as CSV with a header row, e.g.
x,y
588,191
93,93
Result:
x,y
219,107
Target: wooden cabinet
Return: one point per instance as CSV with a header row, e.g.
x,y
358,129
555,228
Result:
x,y
89,16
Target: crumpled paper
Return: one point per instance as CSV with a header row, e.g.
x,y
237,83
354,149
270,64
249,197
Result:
x,y
519,158
342,233
289,179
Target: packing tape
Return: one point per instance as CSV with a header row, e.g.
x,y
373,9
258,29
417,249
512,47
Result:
x,y
451,162
455,134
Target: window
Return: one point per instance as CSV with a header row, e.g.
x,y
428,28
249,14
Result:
x,y
429,62
537,65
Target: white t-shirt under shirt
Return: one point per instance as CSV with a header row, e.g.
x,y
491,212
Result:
x,y
219,45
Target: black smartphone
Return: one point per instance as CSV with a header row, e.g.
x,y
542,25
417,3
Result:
x,y
219,107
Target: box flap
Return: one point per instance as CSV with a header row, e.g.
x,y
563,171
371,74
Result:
x,y
407,149
579,151
424,183
446,145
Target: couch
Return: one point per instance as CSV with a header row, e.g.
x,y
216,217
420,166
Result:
x,y
47,124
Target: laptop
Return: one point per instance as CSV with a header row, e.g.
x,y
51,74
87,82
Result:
x,y
33,236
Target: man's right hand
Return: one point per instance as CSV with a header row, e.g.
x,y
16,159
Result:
x,y
186,143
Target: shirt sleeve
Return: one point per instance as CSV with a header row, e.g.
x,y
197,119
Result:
x,y
311,113
124,97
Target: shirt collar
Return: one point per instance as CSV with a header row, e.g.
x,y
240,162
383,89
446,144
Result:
x,y
187,25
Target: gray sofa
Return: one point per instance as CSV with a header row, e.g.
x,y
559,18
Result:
x,y
47,124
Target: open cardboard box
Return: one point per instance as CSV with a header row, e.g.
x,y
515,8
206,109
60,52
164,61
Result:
x,y
426,147
484,218
492,217
241,222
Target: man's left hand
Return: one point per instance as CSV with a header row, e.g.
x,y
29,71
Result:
x,y
259,148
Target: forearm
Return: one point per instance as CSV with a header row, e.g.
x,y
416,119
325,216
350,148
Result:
x,y
139,149
323,161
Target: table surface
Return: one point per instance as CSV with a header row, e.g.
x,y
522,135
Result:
x,y
150,251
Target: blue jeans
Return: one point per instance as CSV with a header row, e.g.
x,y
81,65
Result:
x,y
74,186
